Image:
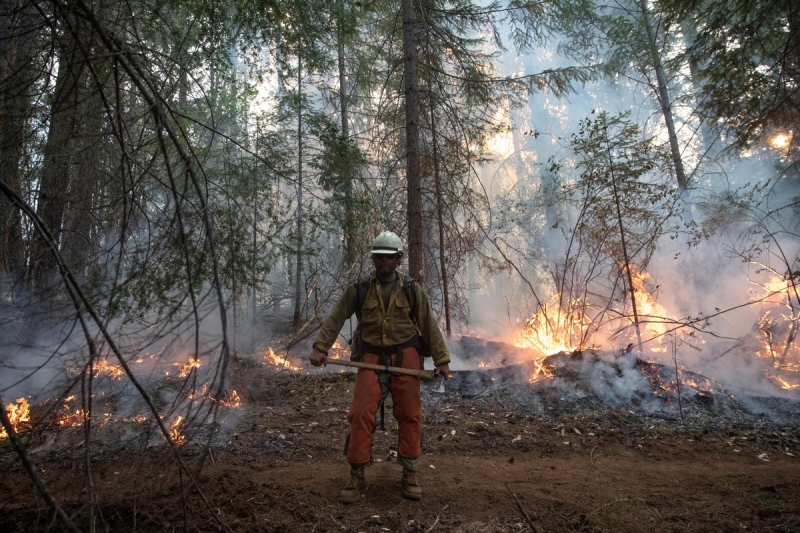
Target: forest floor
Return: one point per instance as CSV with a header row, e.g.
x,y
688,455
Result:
x,y
513,458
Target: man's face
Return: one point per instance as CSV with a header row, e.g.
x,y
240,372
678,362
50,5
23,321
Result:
x,y
385,264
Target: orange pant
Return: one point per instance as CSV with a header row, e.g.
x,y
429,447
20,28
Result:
x,y
407,408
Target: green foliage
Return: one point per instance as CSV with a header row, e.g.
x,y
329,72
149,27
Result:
x,y
339,160
745,57
616,167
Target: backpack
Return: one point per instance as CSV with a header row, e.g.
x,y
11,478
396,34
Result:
x,y
357,346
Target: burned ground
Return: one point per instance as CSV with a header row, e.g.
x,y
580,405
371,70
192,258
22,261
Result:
x,y
617,452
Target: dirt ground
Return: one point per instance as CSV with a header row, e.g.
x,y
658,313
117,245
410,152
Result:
x,y
490,464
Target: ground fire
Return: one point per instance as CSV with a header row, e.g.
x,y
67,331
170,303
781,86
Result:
x,y
568,326
514,413
281,362
779,304
18,413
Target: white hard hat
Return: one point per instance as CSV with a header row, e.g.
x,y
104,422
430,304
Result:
x,y
387,243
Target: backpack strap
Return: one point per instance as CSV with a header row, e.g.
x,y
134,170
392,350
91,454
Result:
x,y
362,286
411,296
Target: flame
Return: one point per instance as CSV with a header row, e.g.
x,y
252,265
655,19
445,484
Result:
x,y
564,331
184,369
565,326
552,334
273,359
68,417
549,335
231,399
104,368
111,370
783,383
540,371
667,386
175,433
778,325
195,394
647,308
338,351
18,413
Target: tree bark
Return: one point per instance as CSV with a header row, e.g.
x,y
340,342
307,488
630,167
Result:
x,y
57,171
350,253
298,293
17,76
662,93
624,249
416,265
440,222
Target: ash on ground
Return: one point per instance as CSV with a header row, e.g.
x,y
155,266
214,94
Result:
x,y
582,382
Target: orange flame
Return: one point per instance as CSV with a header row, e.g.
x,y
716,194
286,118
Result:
x,y
17,414
648,309
111,370
778,324
231,399
66,417
563,326
540,371
175,433
272,359
102,368
195,394
552,334
184,369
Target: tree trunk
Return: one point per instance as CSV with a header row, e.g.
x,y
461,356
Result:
x,y
58,158
350,253
662,93
710,146
627,264
440,223
413,179
17,75
298,293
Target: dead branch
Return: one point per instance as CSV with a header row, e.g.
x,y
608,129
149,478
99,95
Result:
x,y
534,527
592,457
435,521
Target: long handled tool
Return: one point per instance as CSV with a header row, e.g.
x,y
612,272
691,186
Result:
x,y
427,374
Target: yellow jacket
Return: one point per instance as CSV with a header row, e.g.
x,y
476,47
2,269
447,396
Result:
x,y
385,328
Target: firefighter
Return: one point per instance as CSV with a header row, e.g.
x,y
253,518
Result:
x,y
389,335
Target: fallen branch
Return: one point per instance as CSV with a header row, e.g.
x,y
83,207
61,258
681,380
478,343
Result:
x,y
591,457
435,521
534,528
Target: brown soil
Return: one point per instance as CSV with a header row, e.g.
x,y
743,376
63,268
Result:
x,y
489,464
